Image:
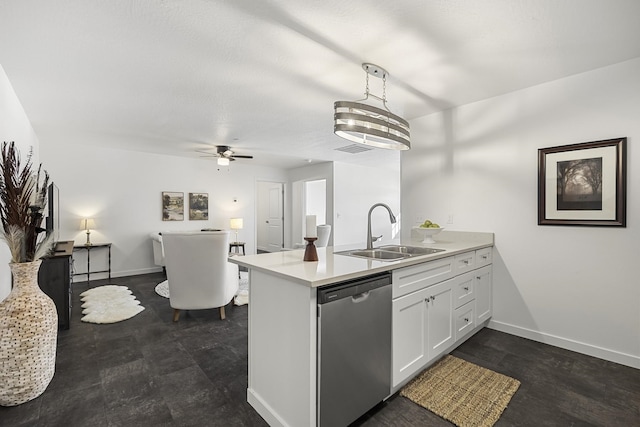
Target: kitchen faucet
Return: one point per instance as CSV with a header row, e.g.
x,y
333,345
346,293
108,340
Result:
x,y
370,238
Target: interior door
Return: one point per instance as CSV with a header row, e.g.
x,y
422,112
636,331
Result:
x,y
275,232
269,216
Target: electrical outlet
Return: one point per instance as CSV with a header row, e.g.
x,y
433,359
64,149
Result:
x,y
450,219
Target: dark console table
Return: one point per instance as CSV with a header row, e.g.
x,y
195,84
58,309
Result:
x,y
89,248
54,278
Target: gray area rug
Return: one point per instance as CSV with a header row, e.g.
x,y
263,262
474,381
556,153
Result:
x,y
109,304
241,298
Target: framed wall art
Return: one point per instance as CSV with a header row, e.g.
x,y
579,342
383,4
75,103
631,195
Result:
x,y
198,206
172,206
583,184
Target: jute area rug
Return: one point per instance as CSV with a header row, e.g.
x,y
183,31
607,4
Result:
x,y
461,392
109,304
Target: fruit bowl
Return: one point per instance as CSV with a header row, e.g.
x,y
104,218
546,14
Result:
x,y
427,233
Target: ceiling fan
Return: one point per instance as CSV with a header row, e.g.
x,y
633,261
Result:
x,y
224,155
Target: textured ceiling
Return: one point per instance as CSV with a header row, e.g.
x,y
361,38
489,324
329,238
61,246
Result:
x,y
261,76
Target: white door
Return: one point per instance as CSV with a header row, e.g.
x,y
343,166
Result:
x,y
270,227
275,238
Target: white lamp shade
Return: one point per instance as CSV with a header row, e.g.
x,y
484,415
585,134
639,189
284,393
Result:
x,y
236,223
223,161
87,224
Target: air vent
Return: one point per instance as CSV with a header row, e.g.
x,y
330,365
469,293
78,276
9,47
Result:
x,y
354,148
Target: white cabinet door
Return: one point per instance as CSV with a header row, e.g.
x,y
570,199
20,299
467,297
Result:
x,y
465,320
440,333
409,336
463,289
484,293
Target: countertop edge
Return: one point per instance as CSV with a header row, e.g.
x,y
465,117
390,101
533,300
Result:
x,y
380,266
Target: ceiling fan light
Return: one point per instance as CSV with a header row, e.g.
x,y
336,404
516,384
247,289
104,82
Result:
x,y
223,161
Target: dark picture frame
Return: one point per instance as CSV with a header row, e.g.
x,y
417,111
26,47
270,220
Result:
x,y
198,206
172,206
583,184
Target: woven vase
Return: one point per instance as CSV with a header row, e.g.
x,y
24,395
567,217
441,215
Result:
x,y
28,334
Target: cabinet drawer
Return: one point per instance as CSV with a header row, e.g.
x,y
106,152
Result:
x,y
465,319
464,262
484,257
463,289
416,277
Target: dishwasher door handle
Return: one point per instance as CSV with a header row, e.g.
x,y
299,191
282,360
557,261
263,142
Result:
x,y
360,297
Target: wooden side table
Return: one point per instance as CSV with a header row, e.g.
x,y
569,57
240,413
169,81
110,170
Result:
x,y
234,247
89,248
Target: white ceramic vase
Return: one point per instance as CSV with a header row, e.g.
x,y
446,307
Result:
x,y
28,336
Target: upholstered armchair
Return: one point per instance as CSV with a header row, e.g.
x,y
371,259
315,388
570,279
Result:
x,y
158,251
198,272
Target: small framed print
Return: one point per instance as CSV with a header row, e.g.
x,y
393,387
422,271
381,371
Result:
x,y
198,206
583,184
172,206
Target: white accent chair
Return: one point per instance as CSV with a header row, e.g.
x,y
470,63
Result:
x,y
199,275
158,251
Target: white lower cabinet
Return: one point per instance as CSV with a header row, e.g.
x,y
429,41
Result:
x,y
484,293
428,321
422,328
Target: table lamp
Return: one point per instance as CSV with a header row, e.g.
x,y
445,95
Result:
x,y
87,224
236,224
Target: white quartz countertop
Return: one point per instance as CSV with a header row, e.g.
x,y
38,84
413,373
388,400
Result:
x,y
332,268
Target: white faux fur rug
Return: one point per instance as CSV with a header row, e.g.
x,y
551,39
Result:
x,y
241,298
109,304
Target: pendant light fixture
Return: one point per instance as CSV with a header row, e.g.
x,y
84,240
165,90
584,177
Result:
x,y
369,125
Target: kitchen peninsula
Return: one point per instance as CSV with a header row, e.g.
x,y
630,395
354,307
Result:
x,y
438,301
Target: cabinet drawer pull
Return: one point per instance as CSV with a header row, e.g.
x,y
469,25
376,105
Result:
x,y
478,277
485,256
466,261
466,288
466,319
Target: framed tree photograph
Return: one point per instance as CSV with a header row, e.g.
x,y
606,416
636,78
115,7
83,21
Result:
x,y
198,206
583,184
172,206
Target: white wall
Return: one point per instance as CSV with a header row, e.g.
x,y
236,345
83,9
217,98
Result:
x,y
356,189
14,126
122,191
574,287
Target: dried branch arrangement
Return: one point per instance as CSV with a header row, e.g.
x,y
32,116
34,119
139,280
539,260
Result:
x,y
23,197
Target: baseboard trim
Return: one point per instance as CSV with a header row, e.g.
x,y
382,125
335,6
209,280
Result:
x,y
568,344
82,277
264,409
136,272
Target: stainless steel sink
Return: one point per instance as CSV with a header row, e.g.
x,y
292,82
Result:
x,y
376,254
390,252
411,250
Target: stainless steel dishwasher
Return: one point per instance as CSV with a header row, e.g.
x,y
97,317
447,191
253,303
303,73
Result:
x,y
354,348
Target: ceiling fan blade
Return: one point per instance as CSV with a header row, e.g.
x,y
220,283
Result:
x,y
239,156
207,153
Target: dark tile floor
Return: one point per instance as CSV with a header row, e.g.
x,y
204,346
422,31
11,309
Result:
x,y
149,371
